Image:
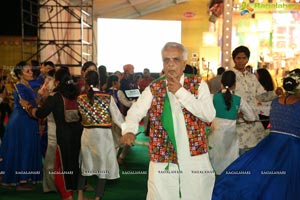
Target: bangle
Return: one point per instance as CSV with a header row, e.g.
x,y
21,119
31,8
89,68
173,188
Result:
x,y
28,109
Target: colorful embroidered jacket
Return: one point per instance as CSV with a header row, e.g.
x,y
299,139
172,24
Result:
x,y
98,114
161,148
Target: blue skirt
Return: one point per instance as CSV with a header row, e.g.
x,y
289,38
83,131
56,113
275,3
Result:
x,y
20,150
269,171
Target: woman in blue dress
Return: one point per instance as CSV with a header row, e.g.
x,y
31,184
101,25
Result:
x,y
269,171
20,153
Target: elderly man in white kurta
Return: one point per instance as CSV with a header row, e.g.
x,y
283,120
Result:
x,y
179,106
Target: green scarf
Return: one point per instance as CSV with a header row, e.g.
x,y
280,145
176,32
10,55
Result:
x,y
167,122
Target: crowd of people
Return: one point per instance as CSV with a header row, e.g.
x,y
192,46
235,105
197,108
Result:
x,y
235,136
72,118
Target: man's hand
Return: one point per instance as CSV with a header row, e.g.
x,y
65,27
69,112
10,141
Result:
x,y
173,83
128,139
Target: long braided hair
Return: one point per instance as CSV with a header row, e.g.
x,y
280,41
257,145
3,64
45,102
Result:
x,y
228,80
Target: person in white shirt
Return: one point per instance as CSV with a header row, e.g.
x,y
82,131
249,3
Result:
x,y
248,88
179,106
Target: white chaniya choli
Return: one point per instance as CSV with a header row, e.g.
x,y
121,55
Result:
x,y
223,139
98,152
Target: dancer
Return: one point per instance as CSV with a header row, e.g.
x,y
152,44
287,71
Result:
x,y
269,171
98,152
178,106
223,137
20,152
63,105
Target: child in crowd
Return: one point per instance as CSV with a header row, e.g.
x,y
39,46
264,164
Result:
x,y
98,152
223,137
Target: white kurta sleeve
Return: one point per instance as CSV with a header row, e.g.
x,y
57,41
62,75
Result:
x,y
200,106
116,115
137,111
248,112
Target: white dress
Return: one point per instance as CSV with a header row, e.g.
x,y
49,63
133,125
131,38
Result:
x,y
98,152
223,139
197,177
